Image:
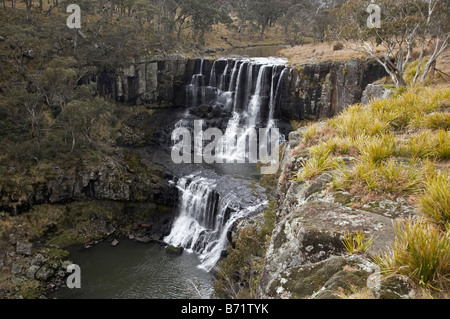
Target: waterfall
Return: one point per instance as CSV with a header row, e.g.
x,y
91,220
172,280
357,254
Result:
x,y
197,89
205,218
242,89
250,92
275,97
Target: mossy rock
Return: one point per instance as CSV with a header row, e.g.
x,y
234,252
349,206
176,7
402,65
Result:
x,y
322,280
172,250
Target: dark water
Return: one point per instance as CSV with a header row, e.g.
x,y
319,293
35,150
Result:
x,y
137,271
254,52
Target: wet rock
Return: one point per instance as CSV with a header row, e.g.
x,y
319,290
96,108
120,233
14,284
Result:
x,y
174,250
143,239
23,248
114,243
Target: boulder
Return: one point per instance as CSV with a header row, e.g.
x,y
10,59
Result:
x,y
322,280
16,269
23,248
174,250
374,91
313,233
397,287
114,243
31,272
38,260
44,273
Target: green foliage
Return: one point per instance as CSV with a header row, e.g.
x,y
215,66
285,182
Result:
x,y
239,272
357,243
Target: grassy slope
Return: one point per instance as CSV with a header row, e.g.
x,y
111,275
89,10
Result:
x,y
401,148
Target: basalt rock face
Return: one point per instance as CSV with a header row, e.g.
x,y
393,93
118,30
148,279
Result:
x,y
124,181
310,91
150,80
321,90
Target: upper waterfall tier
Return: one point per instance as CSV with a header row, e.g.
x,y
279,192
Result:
x,y
246,87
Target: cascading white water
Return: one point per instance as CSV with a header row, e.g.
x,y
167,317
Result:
x,y
205,218
275,96
197,86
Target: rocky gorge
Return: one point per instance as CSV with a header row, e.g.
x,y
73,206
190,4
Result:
x,y
128,192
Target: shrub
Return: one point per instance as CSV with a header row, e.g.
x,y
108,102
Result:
x,y
338,46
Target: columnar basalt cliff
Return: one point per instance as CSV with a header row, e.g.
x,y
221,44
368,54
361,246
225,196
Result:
x,y
310,91
151,80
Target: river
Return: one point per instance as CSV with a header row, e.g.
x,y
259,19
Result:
x,y
133,270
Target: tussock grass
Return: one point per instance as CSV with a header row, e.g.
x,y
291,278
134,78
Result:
x,y
388,178
315,165
310,133
421,251
428,144
357,243
377,149
334,146
435,202
356,121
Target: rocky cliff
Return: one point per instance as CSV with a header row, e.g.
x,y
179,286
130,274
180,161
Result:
x,y
310,91
150,80
319,90
121,178
306,257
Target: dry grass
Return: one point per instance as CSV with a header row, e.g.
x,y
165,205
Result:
x,y
320,52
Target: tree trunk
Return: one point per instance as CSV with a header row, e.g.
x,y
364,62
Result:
x,y
263,29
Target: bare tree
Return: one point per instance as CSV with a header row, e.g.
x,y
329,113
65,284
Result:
x,y
403,22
